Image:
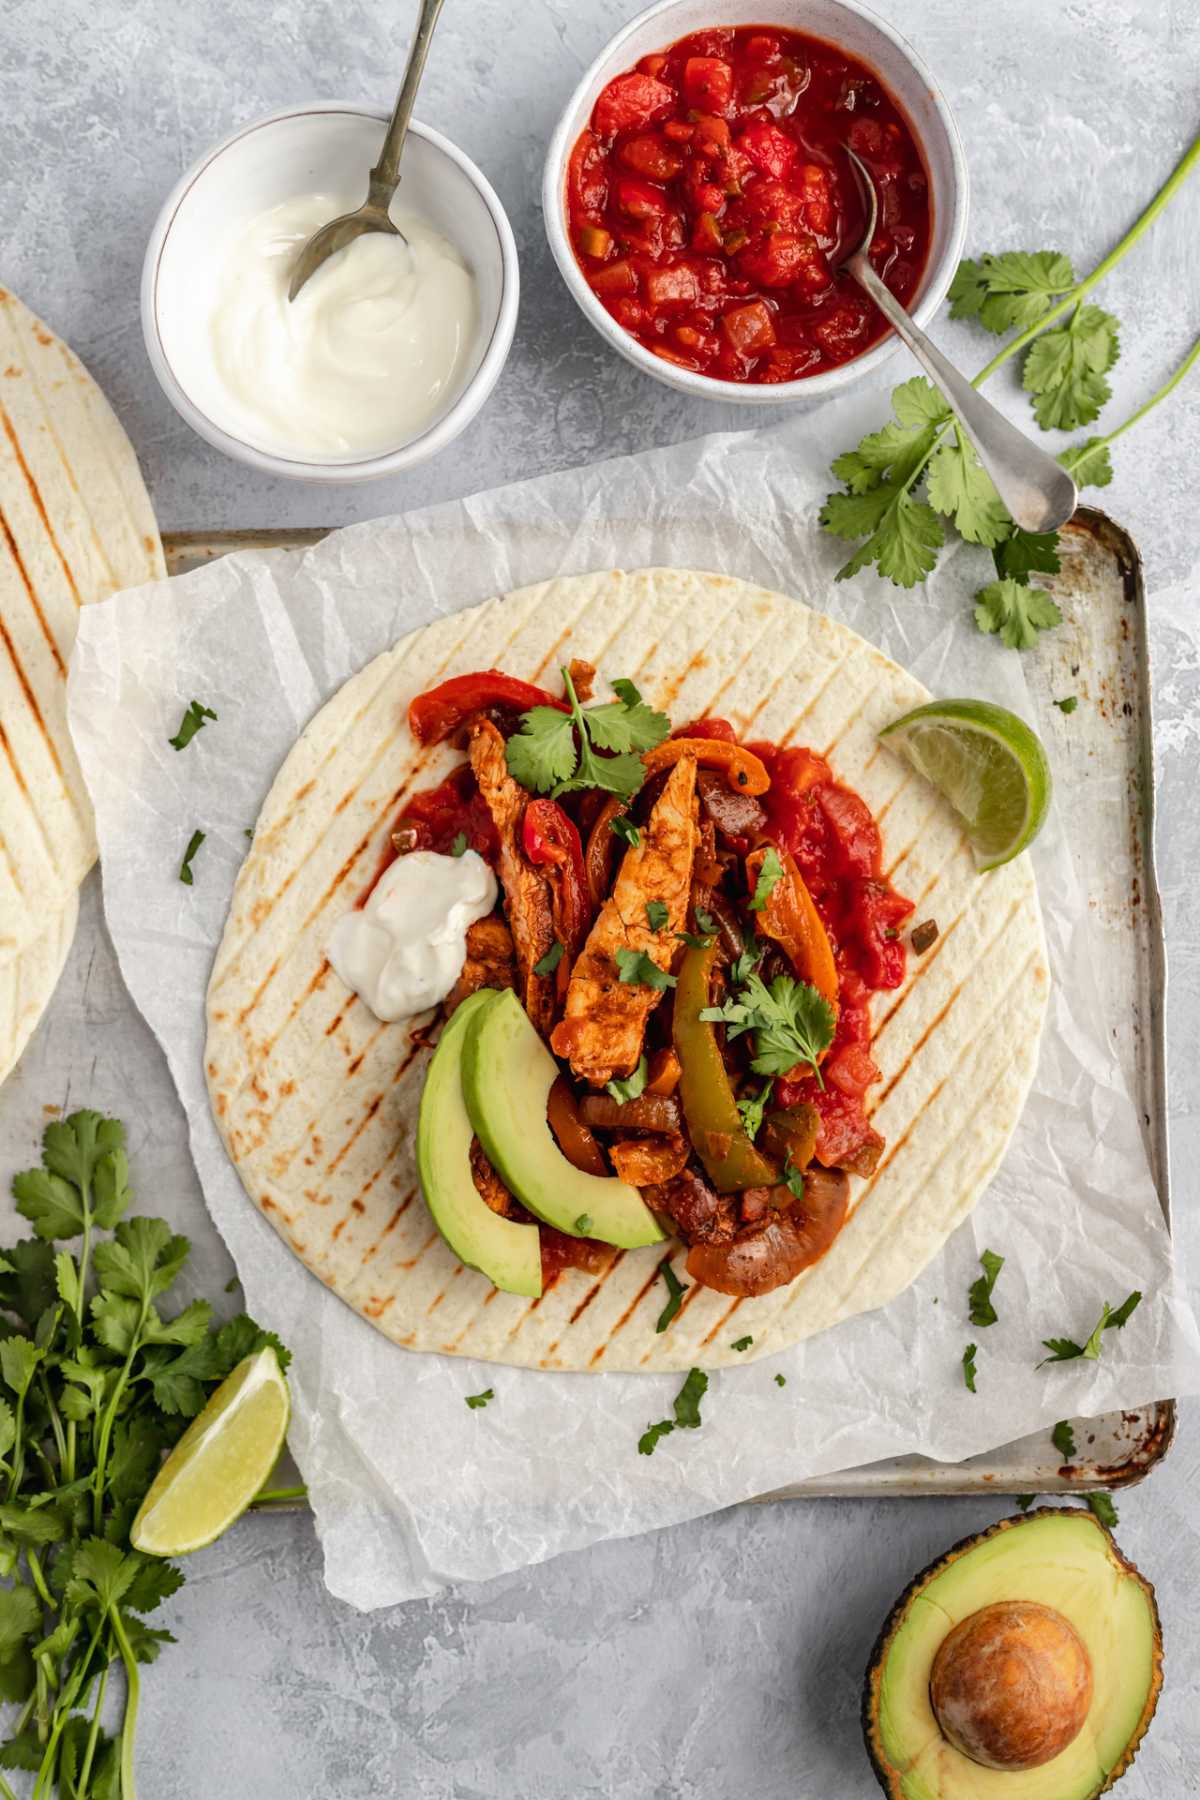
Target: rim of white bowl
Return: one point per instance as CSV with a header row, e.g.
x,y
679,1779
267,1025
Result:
x,y
388,462
936,279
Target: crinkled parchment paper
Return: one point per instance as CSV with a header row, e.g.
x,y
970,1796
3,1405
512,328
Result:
x,y
410,1487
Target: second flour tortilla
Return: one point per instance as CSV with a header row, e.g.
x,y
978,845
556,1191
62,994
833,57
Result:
x,y
317,1100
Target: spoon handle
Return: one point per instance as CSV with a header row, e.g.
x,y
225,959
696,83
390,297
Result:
x,y
1036,489
385,176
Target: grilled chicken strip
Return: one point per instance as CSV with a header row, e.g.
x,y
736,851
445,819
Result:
x,y
526,889
489,963
604,1022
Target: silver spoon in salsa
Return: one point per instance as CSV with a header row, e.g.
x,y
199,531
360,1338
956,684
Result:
x,y
1036,489
384,179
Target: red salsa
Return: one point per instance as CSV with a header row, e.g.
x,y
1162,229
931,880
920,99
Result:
x,y
710,199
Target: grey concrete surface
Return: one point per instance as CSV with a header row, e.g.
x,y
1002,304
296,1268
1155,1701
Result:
x,y
723,1658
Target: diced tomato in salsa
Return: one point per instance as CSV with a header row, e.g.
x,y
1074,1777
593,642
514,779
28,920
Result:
x,y
713,177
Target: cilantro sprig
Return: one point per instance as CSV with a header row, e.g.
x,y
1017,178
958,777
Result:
x,y
686,1410
792,1023
194,719
589,747
100,1379
902,482
1111,1319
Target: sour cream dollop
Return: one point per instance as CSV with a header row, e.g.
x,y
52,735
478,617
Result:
x,y
364,356
403,951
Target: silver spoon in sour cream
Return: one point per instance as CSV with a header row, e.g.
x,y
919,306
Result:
x,y
384,178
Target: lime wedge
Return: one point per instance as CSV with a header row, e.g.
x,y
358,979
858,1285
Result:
x,y
989,765
219,1463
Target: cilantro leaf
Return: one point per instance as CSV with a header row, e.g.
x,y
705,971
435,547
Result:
x,y
1009,291
1123,1312
243,1337
1024,553
959,486
1089,462
792,1024
622,826
917,402
982,1310
636,966
631,1086
1063,1439
19,1359
743,966
54,1207
794,1178
475,1401
769,875
687,1400
649,1439
1025,1501
627,723
903,544
657,914
968,1367
143,1258
100,1575
1066,706
546,965
676,1289
781,1381
1018,613
459,846
1065,369
192,721
1066,1349
542,752
1101,1504
742,1343
751,1108
583,1224
185,867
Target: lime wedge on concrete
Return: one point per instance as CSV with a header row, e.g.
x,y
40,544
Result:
x,y
220,1462
989,765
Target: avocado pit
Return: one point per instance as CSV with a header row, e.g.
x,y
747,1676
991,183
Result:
x,y
1011,1685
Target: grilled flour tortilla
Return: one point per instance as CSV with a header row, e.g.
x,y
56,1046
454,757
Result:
x,y
75,525
317,1100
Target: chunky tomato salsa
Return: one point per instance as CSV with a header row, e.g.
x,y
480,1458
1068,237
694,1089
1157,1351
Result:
x,y
710,200
695,926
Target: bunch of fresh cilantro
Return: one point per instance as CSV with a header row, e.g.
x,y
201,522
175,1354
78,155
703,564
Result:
x,y
97,1383
903,483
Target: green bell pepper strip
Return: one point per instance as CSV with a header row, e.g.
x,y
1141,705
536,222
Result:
x,y
709,1106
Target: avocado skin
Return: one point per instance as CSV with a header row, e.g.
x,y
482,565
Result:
x,y
888,1777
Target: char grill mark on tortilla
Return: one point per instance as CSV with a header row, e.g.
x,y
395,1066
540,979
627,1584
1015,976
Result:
x,y
605,1018
526,891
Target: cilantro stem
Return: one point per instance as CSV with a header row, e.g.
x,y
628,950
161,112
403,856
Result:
x,y
5,1790
62,1716
39,1580
271,1496
1163,198
104,1435
94,1733
1188,362
133,1693
55,1425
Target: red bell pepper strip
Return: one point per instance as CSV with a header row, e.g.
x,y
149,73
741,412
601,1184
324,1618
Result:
x,y
550,840
434,715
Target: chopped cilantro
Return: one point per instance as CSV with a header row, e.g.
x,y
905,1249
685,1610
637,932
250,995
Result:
x,y
742,1343
631,1086
752,1106
185,867
1068,705
781,1381
768,875
1102,1506
657,914
968,1366
583,1224
649,1438
635,966
624,828
1066,1349
474,1401
1063,1439
676,1289
546,965
687,1413
794,1178
982,1310
192,721
459,846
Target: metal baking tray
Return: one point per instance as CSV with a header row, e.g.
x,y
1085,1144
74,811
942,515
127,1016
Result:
x,y
1104,750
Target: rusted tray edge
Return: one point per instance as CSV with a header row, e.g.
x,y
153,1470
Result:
x,y
1155,1423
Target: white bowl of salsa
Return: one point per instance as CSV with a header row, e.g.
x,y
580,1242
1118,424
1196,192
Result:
x,y
697,195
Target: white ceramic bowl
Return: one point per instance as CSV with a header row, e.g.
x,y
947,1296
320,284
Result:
x,y
852,27
325,145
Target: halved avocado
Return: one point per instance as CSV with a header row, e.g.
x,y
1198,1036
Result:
x,y
507,1076
1068,1580
510,1255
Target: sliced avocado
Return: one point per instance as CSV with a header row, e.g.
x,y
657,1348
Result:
x,y
510,1255
1059,1559
507,1076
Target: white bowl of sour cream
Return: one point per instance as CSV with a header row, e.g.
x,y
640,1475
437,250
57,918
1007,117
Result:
x,y
385,355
